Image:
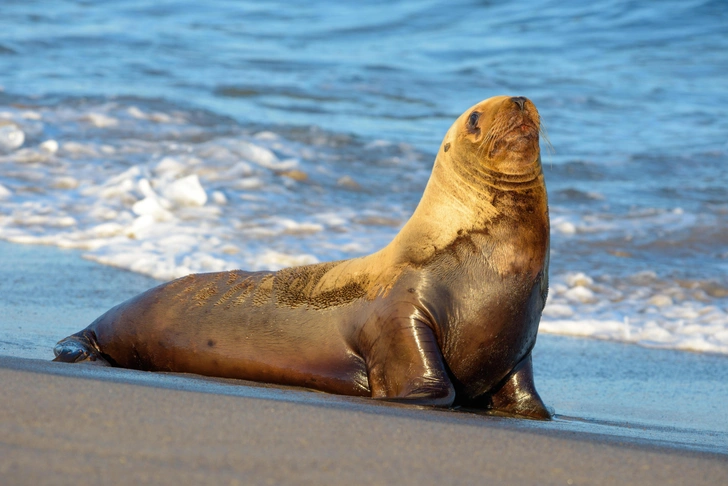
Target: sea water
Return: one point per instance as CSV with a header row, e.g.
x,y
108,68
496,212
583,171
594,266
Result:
x,y
175,137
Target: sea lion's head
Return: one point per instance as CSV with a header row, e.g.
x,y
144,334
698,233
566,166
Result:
x,y
487,179
499,134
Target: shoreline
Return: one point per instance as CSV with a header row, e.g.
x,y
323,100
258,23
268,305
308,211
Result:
x,y
576,428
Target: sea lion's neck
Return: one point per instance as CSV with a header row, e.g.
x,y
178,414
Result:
x,y
461,197
455,203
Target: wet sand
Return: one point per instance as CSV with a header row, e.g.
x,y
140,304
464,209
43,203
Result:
x,y
625,414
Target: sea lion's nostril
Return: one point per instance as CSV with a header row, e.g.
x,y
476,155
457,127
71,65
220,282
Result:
x,y
520,101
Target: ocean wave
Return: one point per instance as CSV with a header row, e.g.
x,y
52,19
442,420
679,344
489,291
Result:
x,y
166,193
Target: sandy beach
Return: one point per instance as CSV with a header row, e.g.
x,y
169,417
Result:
x,y
624,414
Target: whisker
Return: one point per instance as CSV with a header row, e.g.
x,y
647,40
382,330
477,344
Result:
x,y
542,132
485,143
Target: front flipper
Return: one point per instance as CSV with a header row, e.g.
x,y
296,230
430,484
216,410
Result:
x,y
516,395
405,365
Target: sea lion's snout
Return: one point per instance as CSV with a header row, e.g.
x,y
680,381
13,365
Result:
x,y
521,109
520,101
514,132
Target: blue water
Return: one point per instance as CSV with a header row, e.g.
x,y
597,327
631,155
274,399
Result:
x,y
613,79
633,96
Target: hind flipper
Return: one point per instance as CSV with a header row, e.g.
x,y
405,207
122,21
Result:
x,y
78,348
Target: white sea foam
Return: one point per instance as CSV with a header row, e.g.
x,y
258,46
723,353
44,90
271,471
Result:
x,y
658,313
50,146
11,137
172,205
186,191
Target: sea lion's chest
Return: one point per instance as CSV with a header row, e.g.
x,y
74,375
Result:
x,y
499,263
491,291
481,299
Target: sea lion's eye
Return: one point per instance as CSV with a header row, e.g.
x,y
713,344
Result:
x,y
473,120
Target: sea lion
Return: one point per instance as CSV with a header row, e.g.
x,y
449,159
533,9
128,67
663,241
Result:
x,y
447,313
